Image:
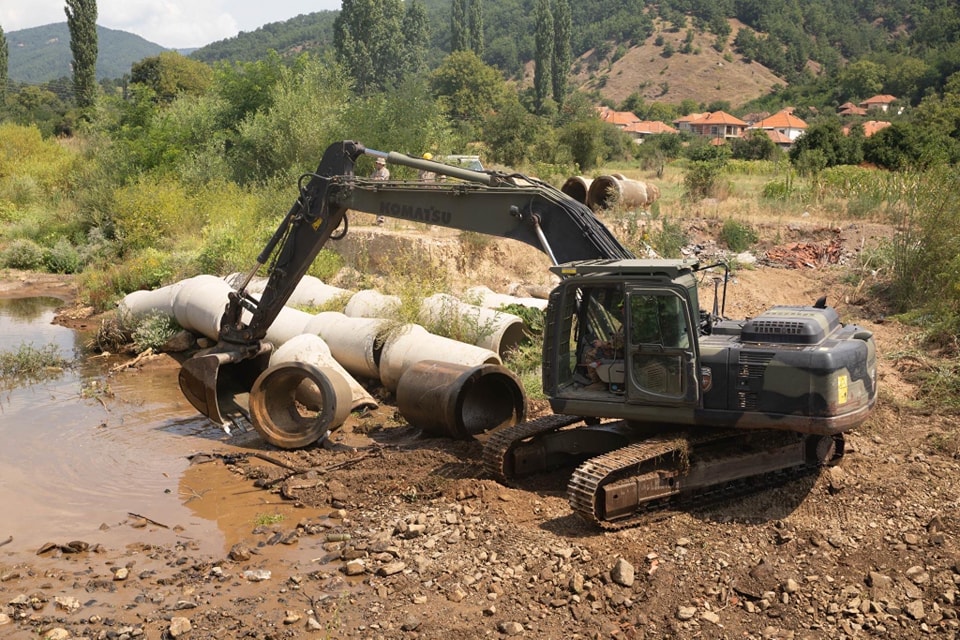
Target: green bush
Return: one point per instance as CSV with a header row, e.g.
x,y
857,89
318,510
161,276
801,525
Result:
x,y
737,235
153,330
63,257
22,254
153,212
669,239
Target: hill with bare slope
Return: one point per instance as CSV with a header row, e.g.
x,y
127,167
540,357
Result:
x,y
704,75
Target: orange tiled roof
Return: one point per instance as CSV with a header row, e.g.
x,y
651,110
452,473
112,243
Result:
x,y
879,99
853,111
690,117
872,126
620,118
649,126
781,120
721,117
777,137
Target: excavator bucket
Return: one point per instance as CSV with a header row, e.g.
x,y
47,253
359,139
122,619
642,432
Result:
x,y
218,383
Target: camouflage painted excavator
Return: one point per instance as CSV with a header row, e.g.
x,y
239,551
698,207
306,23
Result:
x,y
654,399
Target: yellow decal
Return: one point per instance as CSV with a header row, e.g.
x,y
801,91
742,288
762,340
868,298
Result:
x,y
841,389
317,223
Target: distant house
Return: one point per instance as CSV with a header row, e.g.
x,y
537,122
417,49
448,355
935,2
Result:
x,y
881,102
850,109
619,119
646,128
870,127
685,123
783,127
718,125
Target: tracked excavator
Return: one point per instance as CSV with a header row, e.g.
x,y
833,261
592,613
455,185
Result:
x,y
654,400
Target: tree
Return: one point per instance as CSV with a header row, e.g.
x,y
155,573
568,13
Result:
x,y
459,33
170,74
861,79
4,52
416,33
756,145
467,89
82,23
544,55
476,27
562,53
826,139
365,37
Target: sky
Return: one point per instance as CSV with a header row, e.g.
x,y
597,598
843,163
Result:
x,y
175,24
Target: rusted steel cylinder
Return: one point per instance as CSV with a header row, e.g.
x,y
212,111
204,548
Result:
x,y
294,404
458,401
607,191
577,187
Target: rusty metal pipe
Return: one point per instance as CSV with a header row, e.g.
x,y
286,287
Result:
x,y
457,401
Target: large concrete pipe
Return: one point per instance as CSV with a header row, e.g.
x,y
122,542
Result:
x,y
371,304
409,344
355,343
577,187
607,191
497,331
286,416
199,304
485,297
309,292
312,349
460,401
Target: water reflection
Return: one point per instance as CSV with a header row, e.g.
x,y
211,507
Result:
x,y
72,461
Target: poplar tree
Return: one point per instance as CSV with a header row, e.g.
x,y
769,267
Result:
x,y
476,27
459,34
416,31
82,22
4,57
369,44
543,57
562,55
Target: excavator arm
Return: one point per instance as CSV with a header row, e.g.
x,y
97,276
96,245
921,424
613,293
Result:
x,y
493,203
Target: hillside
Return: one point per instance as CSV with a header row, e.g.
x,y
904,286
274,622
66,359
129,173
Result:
x,y
42,54
705,75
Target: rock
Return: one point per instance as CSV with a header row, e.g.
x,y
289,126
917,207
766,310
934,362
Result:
x,y
4,619
791,586
58,633
239,553
710,617
179,626
622,573
510,628
918,575
121,574
313,624
915,609
686,613
391,568
67,603
291,617
181,341
411,623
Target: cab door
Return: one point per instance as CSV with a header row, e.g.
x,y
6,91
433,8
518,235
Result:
x,y
660,348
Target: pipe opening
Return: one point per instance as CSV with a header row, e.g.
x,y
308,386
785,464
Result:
x,y
295,404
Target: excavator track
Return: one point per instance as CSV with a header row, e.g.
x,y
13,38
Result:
x,y
498,459
625,487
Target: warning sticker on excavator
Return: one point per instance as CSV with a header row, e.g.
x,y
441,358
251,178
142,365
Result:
x,y
841,389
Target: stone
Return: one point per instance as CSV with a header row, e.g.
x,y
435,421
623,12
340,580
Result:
x,y
622,573
510,628
915,609
391,568
179,626
710,617
686,613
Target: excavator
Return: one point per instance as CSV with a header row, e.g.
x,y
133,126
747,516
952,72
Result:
x,y
654,399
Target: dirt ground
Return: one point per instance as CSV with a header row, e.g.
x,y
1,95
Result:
x,y
407,538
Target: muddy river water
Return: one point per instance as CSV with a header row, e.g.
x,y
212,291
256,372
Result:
x,y
82,451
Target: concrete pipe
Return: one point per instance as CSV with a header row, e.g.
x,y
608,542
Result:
x,y
459,401
141,303
312,349
577,187
492,300
199,304
409,344
608,191
309,292
282,420
497,331
356,343
371,304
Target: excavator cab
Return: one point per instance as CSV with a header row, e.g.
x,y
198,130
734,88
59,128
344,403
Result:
x,y
629,338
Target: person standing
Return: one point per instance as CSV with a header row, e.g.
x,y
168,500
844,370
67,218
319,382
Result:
x,y
424,175
382,174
